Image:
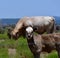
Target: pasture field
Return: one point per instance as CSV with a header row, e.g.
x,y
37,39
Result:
x,y
21,48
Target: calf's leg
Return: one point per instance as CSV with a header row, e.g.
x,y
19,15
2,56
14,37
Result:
x,y
58,49
37,55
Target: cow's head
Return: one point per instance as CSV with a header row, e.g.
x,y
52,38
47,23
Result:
x,y
17,31
15,34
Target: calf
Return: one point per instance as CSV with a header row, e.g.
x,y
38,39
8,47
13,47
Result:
x,y
39,43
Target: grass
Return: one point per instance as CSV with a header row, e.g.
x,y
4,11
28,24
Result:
x,y
21,46
3,53
53,55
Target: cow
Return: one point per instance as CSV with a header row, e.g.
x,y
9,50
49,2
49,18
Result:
x,y
41,24
42,43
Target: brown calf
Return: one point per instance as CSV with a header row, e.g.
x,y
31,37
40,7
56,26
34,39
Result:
x,y
39,43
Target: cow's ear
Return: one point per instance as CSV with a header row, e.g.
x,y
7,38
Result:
x,y
35,28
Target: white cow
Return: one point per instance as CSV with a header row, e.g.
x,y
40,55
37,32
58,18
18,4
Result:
x,y
41,24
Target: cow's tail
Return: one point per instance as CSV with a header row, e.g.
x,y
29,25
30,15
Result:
x,y
53,28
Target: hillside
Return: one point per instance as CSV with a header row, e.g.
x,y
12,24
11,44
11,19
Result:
x,y
9,21
57,20
14,21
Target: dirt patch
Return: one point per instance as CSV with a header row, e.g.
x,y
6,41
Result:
x,y
2,40
44,55
11,53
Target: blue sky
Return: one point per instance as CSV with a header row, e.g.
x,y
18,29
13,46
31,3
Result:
x,y
20,8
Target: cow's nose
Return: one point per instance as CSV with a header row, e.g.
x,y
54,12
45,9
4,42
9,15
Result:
x,y
13,34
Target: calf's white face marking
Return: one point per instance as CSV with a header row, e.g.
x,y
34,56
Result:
x,y
29,29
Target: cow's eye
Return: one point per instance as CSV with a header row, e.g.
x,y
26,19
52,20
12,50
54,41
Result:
x,y
35,28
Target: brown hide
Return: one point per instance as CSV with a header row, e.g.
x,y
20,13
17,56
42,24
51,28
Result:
x,y
50,41
44,43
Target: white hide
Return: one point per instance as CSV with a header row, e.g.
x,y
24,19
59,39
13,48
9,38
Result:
x,y
29,29
41,20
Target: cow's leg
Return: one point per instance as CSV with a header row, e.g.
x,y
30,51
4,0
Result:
x,y
58,49
37,55
53,27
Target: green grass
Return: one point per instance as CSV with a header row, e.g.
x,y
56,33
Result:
x,y
21,47
3,53
53,55
3,36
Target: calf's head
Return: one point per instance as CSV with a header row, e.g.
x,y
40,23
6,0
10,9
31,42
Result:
x,y
29,32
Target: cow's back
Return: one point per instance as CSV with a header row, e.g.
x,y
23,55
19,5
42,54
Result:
x,y
41,20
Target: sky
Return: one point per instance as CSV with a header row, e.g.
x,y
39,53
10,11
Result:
x,y
21,8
